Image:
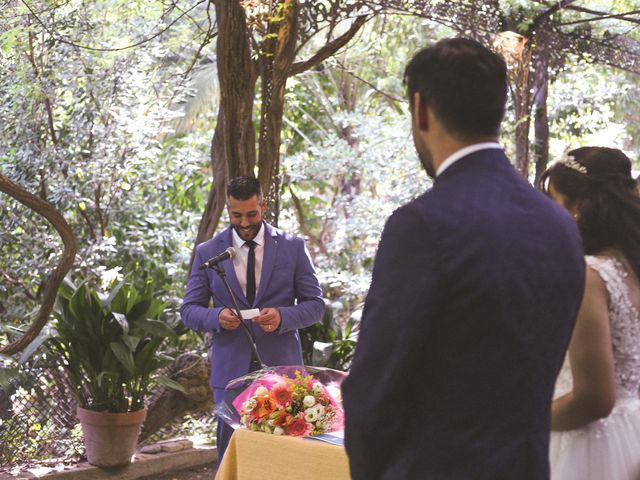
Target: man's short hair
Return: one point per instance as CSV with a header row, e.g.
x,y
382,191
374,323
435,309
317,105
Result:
x,y
464,83
243,188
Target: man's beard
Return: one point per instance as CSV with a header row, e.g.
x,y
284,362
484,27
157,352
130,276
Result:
x,y
248,233
427,161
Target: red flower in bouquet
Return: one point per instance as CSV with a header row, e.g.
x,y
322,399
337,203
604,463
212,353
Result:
x,y
298,427
281,394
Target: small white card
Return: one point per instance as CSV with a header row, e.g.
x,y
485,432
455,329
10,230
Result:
x,y
249,314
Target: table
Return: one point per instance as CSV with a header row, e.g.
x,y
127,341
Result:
x,y
255,455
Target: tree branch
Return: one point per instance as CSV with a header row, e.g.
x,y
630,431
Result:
x,y
17,283
107,49
66,260
329,49
541,18
605,16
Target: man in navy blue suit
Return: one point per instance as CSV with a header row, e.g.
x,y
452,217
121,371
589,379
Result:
x,y
475,290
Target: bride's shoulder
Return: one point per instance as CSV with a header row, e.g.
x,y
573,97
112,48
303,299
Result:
x,y
606,266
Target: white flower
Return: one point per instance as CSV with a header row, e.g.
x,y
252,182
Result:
x,y
262,391
278,431
310,415
309,401
320,409
317,388
249,405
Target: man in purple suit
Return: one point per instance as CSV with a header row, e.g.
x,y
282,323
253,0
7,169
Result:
x,y
271,271
476,286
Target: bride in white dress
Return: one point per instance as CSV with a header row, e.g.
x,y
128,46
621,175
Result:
x,y
595,416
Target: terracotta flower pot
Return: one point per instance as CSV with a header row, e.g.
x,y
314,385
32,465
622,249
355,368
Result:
x,y
110,438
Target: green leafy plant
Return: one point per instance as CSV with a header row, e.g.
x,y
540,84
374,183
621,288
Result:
x,y
327,343
110,344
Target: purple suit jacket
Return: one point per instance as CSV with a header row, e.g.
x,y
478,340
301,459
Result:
x,y
288,282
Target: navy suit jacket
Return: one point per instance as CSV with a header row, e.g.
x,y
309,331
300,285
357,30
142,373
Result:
x,y
476,287
288,282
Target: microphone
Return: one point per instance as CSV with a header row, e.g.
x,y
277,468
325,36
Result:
x,y
228,253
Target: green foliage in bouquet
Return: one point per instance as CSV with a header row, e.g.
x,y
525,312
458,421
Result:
x,y
110,344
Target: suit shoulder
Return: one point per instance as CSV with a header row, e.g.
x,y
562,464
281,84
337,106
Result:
x,y
212,243
422,209
288,237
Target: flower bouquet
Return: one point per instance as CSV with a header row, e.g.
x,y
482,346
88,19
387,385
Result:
x,y
287,400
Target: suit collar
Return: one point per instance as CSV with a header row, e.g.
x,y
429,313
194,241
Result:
x,y
463,152
268,260
481,161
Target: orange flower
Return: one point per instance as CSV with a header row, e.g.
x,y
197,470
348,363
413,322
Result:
x,y
264,406
281,394
283,418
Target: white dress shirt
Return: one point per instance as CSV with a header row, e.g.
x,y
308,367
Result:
x,y
463,152
242,255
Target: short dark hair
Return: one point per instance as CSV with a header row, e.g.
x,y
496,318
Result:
x,y
464,83
243,188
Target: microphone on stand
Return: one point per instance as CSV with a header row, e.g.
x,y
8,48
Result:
x,y
212,262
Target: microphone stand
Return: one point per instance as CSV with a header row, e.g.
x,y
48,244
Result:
x,y
256,361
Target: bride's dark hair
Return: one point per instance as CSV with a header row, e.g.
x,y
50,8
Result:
x,y
597,183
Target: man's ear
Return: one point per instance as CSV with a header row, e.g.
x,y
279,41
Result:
x,y
420,112
263,205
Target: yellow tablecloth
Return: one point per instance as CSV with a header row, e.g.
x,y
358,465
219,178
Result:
x,y
254,455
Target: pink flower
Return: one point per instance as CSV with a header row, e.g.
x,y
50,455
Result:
x,y
281,394
298,427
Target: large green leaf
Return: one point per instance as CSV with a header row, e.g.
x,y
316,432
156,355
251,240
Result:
x,y
124,354
67,288
155,309
119,301
168,382
139,310
79,304
131,341
144,356
114,292
121,318
45,334
155,328
132,299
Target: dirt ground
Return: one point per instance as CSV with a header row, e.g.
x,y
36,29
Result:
x,y
194,473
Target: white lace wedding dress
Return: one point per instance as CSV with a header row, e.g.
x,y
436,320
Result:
x,y
609,448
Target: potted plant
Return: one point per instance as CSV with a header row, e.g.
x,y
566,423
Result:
x,y
110,345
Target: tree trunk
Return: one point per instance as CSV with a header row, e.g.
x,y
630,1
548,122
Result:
x,y
233,149
541,119
216,199
64,265
278,54
522,104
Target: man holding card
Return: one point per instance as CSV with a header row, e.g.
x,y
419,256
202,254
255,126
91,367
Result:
x,y
275,285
